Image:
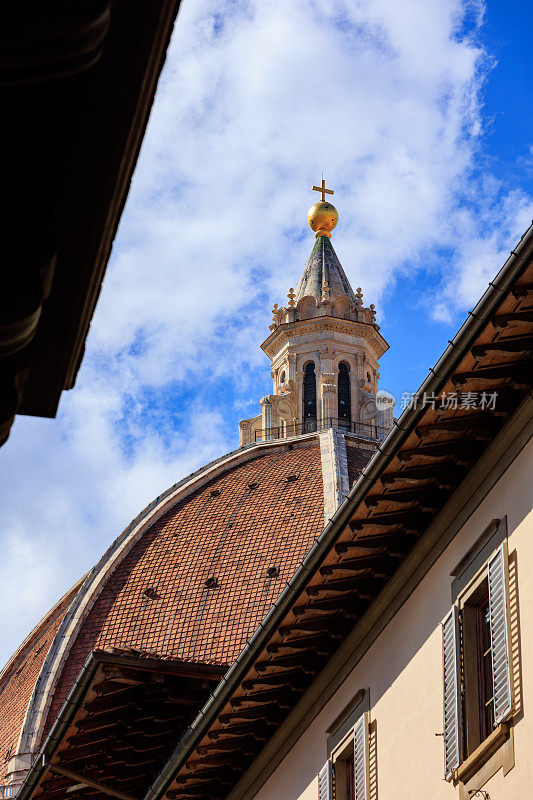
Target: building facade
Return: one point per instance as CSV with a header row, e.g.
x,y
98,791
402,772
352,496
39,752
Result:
x,y
431,701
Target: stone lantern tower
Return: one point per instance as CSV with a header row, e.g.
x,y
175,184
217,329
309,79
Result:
x,y
325,347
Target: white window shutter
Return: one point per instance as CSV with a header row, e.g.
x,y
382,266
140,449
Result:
x,y
360,758
451,664
324,782
499,633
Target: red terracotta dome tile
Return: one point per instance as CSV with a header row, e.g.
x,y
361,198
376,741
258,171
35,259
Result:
x,y
196,585
18,677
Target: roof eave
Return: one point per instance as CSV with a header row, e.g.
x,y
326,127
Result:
x,y
77,695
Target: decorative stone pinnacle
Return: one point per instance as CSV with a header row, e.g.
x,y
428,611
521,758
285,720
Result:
x,y
359,296
325,292
291,297
275,313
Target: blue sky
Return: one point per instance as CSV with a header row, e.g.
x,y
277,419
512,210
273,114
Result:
x,y
418,115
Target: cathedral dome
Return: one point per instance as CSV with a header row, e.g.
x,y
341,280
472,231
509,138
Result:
x,y
19,675
189,580
145,636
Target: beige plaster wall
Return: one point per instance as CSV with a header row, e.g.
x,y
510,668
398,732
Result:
x,y
403,671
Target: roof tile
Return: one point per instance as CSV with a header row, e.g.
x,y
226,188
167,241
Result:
x,y
233,537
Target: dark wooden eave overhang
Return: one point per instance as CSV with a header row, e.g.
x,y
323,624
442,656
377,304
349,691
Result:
x,y
119,726
77,82
402,490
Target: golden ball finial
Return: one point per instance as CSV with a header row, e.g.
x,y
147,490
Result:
x,y
322,218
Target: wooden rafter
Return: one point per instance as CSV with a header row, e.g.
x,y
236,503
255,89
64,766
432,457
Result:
x,y
349,604
523,317
381,565
463,451
290,678
226,774
307,661
446,475
319,643
266,711
222,760
520,290
409,520
424,498
259,728
510,346
203,789
245,744
479,422
284,697
363,585
82,778
333,624
516,371
396,544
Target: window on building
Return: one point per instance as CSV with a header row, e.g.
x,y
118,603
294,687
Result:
x,y
478,682
476,662
343,395
345,776
309,401
485,678
349,778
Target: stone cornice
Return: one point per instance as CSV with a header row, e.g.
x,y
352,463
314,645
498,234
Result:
x,y
363,330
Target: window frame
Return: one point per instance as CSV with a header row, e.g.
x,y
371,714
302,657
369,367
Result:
x,y
476,746
474,730
348,742
344,393
485,684
342,759
309,397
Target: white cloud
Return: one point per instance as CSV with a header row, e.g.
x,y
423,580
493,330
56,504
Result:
x,y
257,98
241,404
482,246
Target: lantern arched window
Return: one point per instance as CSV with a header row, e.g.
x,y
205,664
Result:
x,y
344,400
309,398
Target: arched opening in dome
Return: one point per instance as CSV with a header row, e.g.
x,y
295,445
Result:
x,y
309,409
344,400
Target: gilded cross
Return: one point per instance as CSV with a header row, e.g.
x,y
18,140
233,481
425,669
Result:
x,y
323,190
